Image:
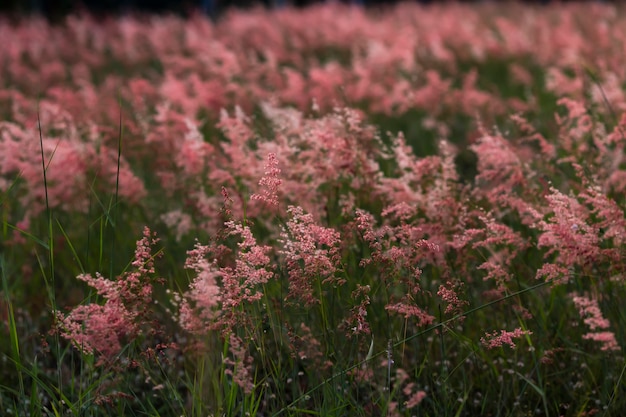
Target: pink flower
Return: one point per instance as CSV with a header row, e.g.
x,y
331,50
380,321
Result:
x,y
252,269
240,366
270,182
216,294
569,234
311,253
500,168
193,151
198,308
411,311
609,214
448,294
357,321
591,314
609,343
495,340
415,399
103,329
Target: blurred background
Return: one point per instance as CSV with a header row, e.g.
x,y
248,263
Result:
x,y
56,9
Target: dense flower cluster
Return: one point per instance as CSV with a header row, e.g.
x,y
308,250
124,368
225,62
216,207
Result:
x,y
331,186
105,329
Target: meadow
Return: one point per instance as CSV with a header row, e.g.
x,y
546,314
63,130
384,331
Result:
x,y
332,211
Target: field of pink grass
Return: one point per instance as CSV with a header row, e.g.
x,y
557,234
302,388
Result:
x,y
332,211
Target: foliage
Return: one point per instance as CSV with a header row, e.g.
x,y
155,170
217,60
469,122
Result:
x,y
333,211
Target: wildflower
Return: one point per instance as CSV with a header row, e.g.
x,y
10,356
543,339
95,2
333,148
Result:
x,y
448,293
311,253
102,329
270,182
495,340
591,314
609,343
240,367
415,399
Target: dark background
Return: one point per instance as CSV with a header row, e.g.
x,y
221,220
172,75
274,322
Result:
x,y
56,9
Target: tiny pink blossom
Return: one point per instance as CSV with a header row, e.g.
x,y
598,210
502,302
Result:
x,y
270,182
609,343
448,293
495,340
311,253
240,366
123,316
411,311
416,399
198,308
590,312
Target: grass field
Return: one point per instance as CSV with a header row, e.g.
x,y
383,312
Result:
x,y
332,211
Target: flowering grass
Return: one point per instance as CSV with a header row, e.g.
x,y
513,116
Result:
x,y
327,211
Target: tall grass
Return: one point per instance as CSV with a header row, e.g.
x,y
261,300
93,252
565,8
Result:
x,y
170,258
